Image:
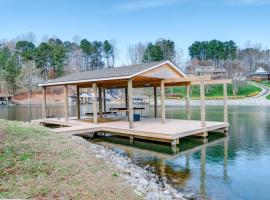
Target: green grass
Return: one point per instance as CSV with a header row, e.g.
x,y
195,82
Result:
x,y
268,97
37,164
217,90
265,83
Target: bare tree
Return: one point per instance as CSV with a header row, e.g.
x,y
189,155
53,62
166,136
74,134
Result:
x,y
135,53
236,72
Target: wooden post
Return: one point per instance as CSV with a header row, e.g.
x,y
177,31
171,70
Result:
x,y
78,102
43,110
188,101
100,101
202,104
174,144
225,102
66,102
126,100
94,90
104,99
155,101
162,95
131,139
130,104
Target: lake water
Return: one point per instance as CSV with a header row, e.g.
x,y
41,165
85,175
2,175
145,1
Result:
x,y
235,167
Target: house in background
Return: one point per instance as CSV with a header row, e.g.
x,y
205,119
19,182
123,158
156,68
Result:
x,y
260,75
215,73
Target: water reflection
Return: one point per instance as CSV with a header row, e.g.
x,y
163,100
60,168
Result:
x,y
175,167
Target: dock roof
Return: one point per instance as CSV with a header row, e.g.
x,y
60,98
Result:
x,y
107,74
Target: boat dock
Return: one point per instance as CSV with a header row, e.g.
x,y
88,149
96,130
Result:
x,y
148,75
148,128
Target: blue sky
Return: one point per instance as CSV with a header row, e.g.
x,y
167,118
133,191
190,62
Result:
x,y
130,21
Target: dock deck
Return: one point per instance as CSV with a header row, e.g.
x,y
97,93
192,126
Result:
x,y
147,128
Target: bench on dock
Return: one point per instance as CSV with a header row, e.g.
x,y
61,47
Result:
x,y
104,113
126,109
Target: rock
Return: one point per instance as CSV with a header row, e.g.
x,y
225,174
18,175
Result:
x,y
138,193
152,196
143,182
98,156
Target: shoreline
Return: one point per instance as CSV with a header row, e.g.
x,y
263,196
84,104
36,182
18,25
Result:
x,y
146,184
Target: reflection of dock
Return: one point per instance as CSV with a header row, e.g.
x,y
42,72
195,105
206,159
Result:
x,y
176,167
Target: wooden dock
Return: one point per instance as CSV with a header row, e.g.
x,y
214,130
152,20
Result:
x,y
148,128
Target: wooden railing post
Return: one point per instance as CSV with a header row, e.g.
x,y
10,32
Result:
x,y
162,95
43,110
188,101
130,104
104,100
202,97
155,102
94,90
66,102
100,101
78,102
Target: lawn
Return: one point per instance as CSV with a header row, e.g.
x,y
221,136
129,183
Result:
x,y
217,90
37,164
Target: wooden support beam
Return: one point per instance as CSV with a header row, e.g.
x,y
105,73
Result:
x,y
188,101
162,95
44,111
66,102
104,100
94,90
126,100
131,139
202,97
130,104
100,101
78,102
212,82
225,103
174,144
155,102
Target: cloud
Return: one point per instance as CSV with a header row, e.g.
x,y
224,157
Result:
x,y
143,4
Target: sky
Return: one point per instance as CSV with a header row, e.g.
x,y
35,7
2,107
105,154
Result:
x,y
130,21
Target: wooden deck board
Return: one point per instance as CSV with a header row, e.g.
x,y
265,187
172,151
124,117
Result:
x,y
148,128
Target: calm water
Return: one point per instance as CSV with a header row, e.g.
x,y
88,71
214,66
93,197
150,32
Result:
x,y
234,167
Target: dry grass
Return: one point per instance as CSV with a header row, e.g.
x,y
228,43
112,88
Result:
x,y
37,164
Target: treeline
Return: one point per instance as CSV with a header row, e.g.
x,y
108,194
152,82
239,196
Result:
x,y
218,53
24,64
237,62
214,50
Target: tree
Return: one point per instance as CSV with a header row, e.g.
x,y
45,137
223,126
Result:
x,y
153,53
214,50
11,72
236,72
167,48
25,51
43,58
108,53
58,55
135,53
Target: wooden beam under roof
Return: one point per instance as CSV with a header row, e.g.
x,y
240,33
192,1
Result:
x,y
214,82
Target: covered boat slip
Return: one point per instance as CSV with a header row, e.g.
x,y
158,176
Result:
x,y
157,74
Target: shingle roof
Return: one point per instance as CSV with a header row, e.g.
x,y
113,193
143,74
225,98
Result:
x,y
123,71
